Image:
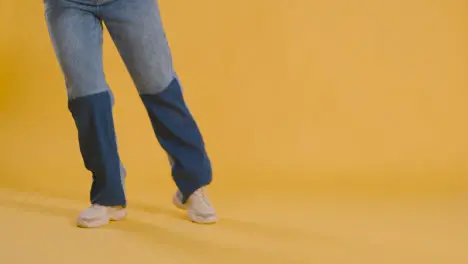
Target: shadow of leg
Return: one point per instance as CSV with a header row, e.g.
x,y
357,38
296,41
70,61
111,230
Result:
x,y
200,243
41,209
153,209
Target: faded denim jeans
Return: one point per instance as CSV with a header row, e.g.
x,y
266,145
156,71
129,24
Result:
x,y
76,31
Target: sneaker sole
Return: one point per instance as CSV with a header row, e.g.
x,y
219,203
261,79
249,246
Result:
x,y
202,220
193,217
116,216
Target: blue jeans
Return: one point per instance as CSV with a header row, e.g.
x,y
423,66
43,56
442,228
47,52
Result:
x,y
76,31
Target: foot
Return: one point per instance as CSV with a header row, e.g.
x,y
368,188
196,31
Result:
x,y
199,208
98,215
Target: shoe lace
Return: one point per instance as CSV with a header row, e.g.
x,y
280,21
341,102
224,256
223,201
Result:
x,y
200,193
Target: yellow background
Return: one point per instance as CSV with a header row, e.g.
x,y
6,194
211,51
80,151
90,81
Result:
x,y
297,100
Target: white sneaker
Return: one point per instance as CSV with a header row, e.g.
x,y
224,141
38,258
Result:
x,y
98,215
199,208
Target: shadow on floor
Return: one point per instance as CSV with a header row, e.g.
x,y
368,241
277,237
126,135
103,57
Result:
x,y
191,242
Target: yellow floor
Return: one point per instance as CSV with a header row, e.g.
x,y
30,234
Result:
x,y
265,226
337,130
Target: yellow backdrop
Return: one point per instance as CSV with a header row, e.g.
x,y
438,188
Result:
x,y
295,98
334,92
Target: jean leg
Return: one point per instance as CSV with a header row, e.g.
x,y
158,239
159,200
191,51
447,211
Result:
x,y
76,34
138,33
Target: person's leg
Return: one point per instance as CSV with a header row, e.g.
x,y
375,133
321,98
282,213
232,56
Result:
x,y
137,30
76,34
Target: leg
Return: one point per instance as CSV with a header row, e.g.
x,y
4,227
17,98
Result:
x,y
136,28
76,34
137,31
